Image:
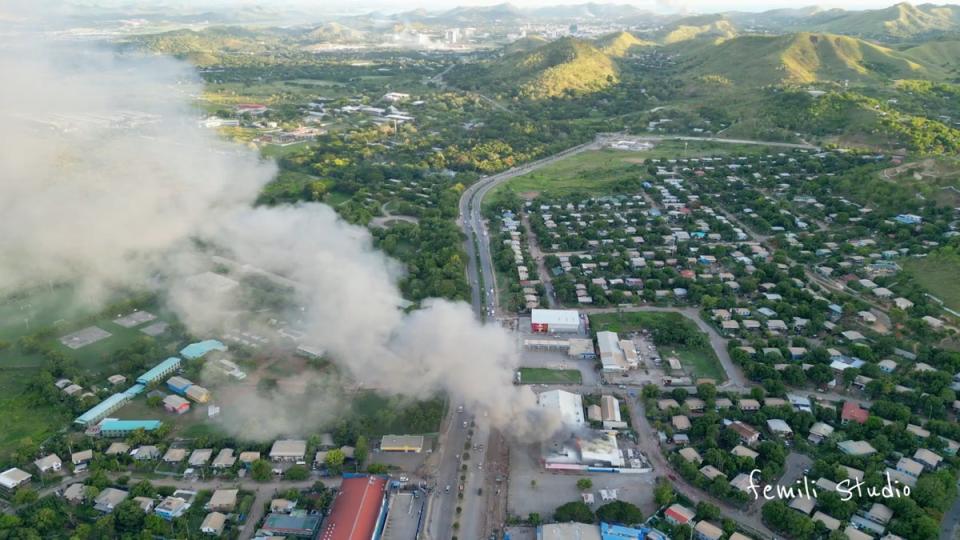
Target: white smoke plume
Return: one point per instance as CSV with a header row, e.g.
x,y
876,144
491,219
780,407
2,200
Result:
x,y
107,180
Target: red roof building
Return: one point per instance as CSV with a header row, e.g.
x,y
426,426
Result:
x,y
358,511
853,413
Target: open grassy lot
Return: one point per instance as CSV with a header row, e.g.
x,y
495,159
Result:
x,y
938,274
21,417
549,376
598,172
25,313
673,334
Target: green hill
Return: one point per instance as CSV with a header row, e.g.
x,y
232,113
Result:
x,y
525,44
561,67
715,27
802,58
901,21
942,54
620,44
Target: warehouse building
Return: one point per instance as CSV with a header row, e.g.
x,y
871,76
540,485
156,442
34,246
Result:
x,y
160,371
359,511
198,393
568,531
201,348
176,404
554,320
101,410
616,354
402,443
113,428
568,406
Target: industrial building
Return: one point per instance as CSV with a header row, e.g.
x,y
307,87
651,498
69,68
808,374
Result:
x,y
197,393
402,443
201,348
160,371
617,354
359,511
111,427
568,531
569,406
582,451
101,410
554,320
176,404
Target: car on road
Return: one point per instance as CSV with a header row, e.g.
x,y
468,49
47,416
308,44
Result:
x,y
447,488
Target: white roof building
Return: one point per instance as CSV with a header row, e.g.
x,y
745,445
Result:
x,y
555,320
567,404
13,478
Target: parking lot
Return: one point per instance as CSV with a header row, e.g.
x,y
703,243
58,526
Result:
x,y
532,489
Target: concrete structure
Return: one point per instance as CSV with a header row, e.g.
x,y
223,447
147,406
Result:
x,y
554,320
567,405
288,450
358,510
402,443
11,479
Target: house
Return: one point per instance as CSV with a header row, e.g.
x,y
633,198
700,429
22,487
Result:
x,y
48,463
742,451
880,514
225,459
856,448
749,405
831,523
852,412
779,428
223,500
282,506
200,457
910,467
680,423
883,292
929,459
677,514
855,534
117,448
691,455
887,366
852,474
108,499
288,450
146,503
694,404
402,443
145,453
704,530
742,482
248,458
917,431
803,504
747,434
213,523
176,404
933,322
175,505
667,404
819,431
75,493
11,479
902,303
711,472
82,457
175,455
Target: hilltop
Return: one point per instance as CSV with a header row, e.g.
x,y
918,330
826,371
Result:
x,y
901,21
562,67
620,44
802,58
717,27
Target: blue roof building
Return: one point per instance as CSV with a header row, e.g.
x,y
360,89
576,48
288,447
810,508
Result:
x,y
102,409
134,390
160,371
111,427
199,349
619,532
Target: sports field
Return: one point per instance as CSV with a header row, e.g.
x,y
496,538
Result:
x,y
549,376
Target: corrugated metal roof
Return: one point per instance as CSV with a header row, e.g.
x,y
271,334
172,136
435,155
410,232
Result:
x,y
158,370
102,409
197,350
356,509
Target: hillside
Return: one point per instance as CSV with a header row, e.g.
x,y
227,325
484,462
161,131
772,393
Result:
x,y
621,44
525,44
942,54
901,21
802,58
716,27
562,67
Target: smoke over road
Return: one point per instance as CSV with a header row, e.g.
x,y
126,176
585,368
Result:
x,y
107,180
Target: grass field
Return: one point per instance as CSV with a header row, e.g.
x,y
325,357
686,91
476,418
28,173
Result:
x,y
597,172
549,376
697,361
22,419
938,274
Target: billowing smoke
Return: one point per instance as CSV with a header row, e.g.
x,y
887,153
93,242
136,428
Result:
x,y
107,180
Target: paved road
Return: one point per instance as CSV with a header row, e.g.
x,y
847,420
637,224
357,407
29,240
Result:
x,y
533,243
735,377
442,504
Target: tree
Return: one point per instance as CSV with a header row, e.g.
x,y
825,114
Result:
x,y
361,450
24,496
296,473
584,484
128,516
260,470
143,489
663,493
574,511
707,511
620,512
534,519
377,468
334,461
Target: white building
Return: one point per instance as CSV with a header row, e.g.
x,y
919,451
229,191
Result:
x,y
567,404
554,320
